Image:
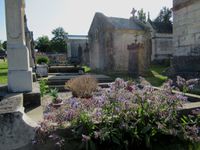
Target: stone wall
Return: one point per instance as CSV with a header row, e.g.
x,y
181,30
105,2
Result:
x,y
55,58
162,46
123,38
186,36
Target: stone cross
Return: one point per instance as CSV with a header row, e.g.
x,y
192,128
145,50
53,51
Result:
x,y
133,12
19,71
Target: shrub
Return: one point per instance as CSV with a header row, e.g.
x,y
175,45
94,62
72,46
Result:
x,y
44,88
42,60
82,86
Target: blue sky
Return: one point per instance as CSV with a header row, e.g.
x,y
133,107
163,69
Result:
x,y
75,16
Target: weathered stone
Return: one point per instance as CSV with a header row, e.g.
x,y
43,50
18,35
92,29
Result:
x,y
42,70
78,45
186,36
16,129
109,38
162,46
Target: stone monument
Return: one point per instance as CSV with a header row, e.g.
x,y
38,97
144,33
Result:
x,y
19,71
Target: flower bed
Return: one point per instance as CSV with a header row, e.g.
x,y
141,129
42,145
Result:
x,y
125,116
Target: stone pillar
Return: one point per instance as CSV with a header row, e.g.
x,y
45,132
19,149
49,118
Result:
x,y
19,71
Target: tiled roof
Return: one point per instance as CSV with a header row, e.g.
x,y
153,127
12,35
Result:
x,y
122,23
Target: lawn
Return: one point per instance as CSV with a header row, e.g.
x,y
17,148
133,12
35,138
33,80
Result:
x,y
3,72
157,78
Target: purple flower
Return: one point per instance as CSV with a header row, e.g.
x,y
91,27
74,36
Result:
x,y
74,103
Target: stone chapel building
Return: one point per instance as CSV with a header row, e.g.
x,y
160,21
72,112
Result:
x,y
119,44
186,37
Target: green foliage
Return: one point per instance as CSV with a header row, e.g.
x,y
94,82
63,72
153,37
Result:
x,y
4,45
44,89
141,15
1,45
42,60
163,22
54,94
43,44
3,72
164,16
58,42
86,69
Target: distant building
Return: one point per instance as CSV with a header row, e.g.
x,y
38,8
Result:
x,y
112,42
162,41
78,48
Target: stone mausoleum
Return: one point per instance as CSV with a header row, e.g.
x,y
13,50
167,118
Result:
x,y
162,41
186,34
119,44
78,48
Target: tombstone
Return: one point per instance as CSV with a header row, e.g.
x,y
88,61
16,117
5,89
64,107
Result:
x,y
80,53
86,55
133,59
29,43
138,59
19,71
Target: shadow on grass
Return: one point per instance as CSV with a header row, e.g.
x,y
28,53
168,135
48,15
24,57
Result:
x,y
156,78
3,74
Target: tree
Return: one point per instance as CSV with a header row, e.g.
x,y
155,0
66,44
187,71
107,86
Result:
x,y
163,21
43,44
58,42
141,15
164,16
1,45
4,45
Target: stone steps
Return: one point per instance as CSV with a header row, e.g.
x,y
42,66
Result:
x,y
58,80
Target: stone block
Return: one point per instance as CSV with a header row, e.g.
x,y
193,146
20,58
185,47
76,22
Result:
x,y
20,81
32,99
42,70
18,56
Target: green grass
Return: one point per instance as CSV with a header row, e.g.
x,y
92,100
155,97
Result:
x,y
157,78
3,72
87,69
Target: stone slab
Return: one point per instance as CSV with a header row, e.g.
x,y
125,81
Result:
x,y
16,129
64,69
11,103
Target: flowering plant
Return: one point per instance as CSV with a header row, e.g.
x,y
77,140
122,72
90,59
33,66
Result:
x,y
186,85
125,116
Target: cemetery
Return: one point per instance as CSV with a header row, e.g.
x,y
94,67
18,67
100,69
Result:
x,y
129,84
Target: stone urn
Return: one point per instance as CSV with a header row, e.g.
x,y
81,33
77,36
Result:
x,y
42,70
